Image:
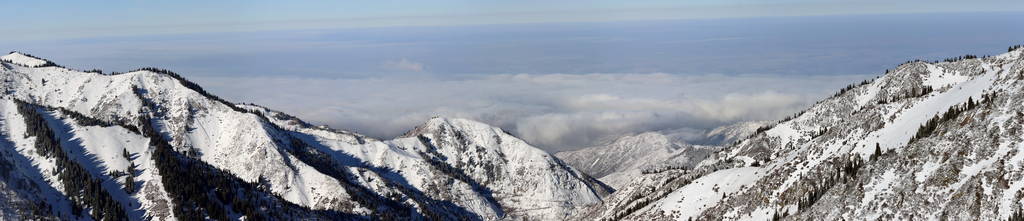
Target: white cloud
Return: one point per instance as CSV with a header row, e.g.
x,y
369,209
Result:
x,y
403,65
554,111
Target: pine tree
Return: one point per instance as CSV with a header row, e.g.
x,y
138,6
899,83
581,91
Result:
x,y
129,181
878,152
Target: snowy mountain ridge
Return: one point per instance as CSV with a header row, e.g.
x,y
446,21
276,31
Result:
x,y
618,162
24,59
927,140
135,134
728,134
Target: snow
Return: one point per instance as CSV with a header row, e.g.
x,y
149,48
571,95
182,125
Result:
x,y
926,171
226,134
12,127
968,172
734,132
531,180
1010,55
785,132
871,92
878,186
759,214
101,154
499,176
494,171
908,182
1010,198
692,199
107,144
97,149
22,59
552,194
899,131
938,78
617,163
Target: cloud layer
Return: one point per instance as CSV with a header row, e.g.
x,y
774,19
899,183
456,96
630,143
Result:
x,y
554,111
403,65
383,81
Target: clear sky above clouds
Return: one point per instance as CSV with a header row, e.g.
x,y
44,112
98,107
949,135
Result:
x,y
560,74
63,19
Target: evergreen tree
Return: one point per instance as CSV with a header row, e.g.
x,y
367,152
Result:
x,y
878,152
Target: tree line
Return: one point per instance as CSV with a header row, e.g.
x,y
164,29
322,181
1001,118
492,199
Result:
x,y
929,127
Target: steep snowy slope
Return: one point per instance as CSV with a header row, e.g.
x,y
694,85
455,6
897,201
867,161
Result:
x,y
928,140
25,189
625,158
478,167
180,113
158,129
523,179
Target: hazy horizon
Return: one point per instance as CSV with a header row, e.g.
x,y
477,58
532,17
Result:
x,y
559,85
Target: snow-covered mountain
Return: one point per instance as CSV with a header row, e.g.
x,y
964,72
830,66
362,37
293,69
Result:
x,y
148,144
618,162
622,160
728,134
927,140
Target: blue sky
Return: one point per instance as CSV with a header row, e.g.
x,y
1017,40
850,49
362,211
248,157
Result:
x,y
62,19
808,45
560,74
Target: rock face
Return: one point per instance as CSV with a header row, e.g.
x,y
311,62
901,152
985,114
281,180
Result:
x,y
140,136
927,140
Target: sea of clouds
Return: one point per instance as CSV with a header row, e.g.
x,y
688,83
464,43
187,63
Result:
x,y
553,111
581,84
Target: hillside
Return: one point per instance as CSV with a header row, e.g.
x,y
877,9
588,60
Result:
x,y
149,144
926,140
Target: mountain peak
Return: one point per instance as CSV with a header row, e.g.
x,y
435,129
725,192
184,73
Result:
x,y
647,141
436,124
19,58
